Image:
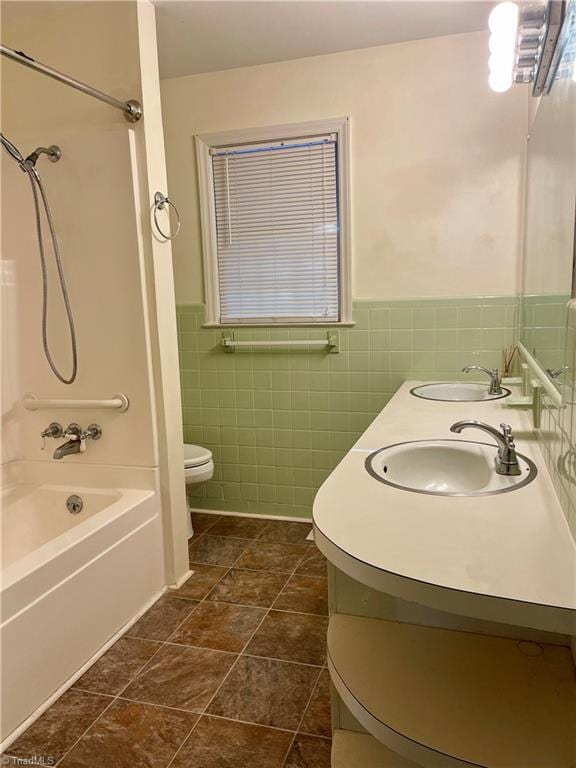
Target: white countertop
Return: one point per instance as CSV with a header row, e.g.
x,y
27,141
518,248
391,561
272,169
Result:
x,y
508,557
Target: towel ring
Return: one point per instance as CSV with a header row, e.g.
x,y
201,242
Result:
x,y
160,201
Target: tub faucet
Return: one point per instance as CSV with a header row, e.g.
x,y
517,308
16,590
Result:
x,y
77,442
507,462
494,373
74,445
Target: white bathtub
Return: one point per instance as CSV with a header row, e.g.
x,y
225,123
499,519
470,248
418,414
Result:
x,y
70,582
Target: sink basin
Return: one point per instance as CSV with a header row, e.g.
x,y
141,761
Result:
x,y
446,468
457,391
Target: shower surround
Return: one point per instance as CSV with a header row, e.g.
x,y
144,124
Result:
x,y
72,582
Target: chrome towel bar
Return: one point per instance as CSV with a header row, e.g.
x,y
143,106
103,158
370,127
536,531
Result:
x,y
330,343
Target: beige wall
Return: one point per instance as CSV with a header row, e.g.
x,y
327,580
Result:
x,y
436,160
551,193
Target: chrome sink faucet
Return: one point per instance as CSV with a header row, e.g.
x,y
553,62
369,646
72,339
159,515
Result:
x,y
78,437
494,373
556,374
507,461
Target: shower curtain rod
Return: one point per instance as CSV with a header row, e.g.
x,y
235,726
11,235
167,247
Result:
x,y
132,109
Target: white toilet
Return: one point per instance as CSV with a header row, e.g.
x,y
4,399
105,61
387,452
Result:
x,y
198,469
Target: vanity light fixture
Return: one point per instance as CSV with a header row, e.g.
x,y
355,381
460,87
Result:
x,y
523,39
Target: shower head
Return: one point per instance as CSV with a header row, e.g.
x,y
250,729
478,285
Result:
x,y
54,154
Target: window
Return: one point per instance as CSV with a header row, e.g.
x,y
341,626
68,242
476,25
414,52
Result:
x,y
274,208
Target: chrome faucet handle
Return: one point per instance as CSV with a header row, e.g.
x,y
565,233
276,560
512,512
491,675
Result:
x,y
507,454
74,431
508,436
93,432
52,430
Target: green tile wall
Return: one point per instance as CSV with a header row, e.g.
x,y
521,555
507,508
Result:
x,y
543,327
557,433
278,420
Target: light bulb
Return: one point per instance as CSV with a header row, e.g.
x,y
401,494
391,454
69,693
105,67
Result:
x,y
500,80
503,19
503,60
503,23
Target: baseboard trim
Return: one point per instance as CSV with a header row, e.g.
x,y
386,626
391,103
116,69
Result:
x,y
283,518
181,580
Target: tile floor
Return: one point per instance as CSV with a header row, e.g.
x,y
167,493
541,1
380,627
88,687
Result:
x,y
229,671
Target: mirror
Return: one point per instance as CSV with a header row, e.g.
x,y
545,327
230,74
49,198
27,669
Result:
x,y
549,224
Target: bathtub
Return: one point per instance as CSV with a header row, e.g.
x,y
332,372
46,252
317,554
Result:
x,y
70,581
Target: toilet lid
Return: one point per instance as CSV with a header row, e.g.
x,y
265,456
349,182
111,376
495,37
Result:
x,y
196,455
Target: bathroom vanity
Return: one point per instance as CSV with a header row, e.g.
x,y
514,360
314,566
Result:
x,y
450,615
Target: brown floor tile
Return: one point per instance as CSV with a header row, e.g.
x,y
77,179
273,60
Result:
x,y
129,735
309,752
161,620
219,626
291,636
181,677
218,743
201,581
118,666
268,556
285,532
249,587
216,550
265,691
239,527
57,730
314,563
304,594
317,719
202,522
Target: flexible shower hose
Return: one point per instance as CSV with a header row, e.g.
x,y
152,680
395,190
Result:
x,y
36,182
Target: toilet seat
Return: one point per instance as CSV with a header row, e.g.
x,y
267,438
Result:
x,y
196,456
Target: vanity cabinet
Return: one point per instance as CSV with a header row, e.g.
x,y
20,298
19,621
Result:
x,y
450,617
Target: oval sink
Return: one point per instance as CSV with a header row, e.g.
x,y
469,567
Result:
x,y
457,391
446,468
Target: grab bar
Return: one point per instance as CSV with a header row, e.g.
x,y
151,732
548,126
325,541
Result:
x,y
32,402
330,342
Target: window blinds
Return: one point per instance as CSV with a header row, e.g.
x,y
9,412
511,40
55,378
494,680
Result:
x,y
277,232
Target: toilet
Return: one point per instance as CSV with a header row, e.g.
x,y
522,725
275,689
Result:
x,y
198,469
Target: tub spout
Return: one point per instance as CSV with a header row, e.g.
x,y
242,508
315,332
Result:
x,y
68,448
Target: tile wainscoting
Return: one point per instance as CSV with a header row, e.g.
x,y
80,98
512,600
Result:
x,y
279,420
557,433
543,327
